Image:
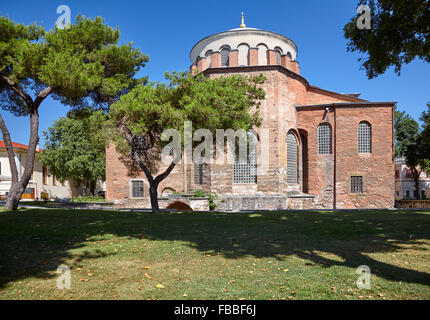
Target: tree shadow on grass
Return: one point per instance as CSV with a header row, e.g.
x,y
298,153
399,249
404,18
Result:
x,y
33,243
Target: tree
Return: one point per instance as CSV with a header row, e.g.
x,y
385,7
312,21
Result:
x,y
399,33
406,132
75,148
139,118
425,118
79,66
411,145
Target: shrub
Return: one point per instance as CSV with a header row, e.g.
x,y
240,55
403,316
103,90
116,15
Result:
x,y
198,193
212,204
44,196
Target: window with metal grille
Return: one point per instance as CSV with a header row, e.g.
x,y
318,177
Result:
x,y
324,138
364,137
225,62
356,184
198,173
137,188
291,158
245,171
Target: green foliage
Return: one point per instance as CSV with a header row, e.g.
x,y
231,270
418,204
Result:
x,y
80,62
411,143
75,147
406,132
88,199
425,118
212,197
399,33
146,111
198,193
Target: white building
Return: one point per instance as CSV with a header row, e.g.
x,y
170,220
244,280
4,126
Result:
x,y
405,184
41,179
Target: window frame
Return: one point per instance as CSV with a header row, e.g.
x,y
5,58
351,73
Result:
x,y
44,175
322,149
296,180
132,188
245,172
367,147
351,184
224,49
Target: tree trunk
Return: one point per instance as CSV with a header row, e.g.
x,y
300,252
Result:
x,y
153,183
153,193
19,184
416,174
417,189
92,187
17,189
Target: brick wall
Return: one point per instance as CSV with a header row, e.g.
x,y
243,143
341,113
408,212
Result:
x,y
317,173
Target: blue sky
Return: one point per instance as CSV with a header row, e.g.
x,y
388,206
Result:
x,y
167,30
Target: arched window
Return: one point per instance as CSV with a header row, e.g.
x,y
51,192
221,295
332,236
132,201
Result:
x,y
289,55
225,52
208,56
278,52
245,170
243,55
324,138
262,54
364,137
291,158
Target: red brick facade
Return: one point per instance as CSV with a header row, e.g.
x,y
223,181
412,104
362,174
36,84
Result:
x,y
292,106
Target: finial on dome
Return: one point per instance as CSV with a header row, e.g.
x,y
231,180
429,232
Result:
x,y
242,25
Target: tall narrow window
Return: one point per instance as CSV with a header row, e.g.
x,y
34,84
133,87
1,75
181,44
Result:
x,y
364,137
45,174
291,158
324,138
245,170
225,61
208,56
278,53
137,188
356,184
278,57
198,173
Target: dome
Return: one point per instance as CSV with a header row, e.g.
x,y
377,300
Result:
x,y
242,39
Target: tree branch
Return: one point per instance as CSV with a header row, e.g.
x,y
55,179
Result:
x,y
144,168
163,176
42,95
28,100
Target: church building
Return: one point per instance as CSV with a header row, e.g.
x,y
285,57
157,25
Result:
x,y
327,149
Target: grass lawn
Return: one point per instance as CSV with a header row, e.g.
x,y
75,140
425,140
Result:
x,y
271,255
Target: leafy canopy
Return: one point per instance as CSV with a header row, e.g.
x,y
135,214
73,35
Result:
x,y
75,147
219,103
82,62
400,32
